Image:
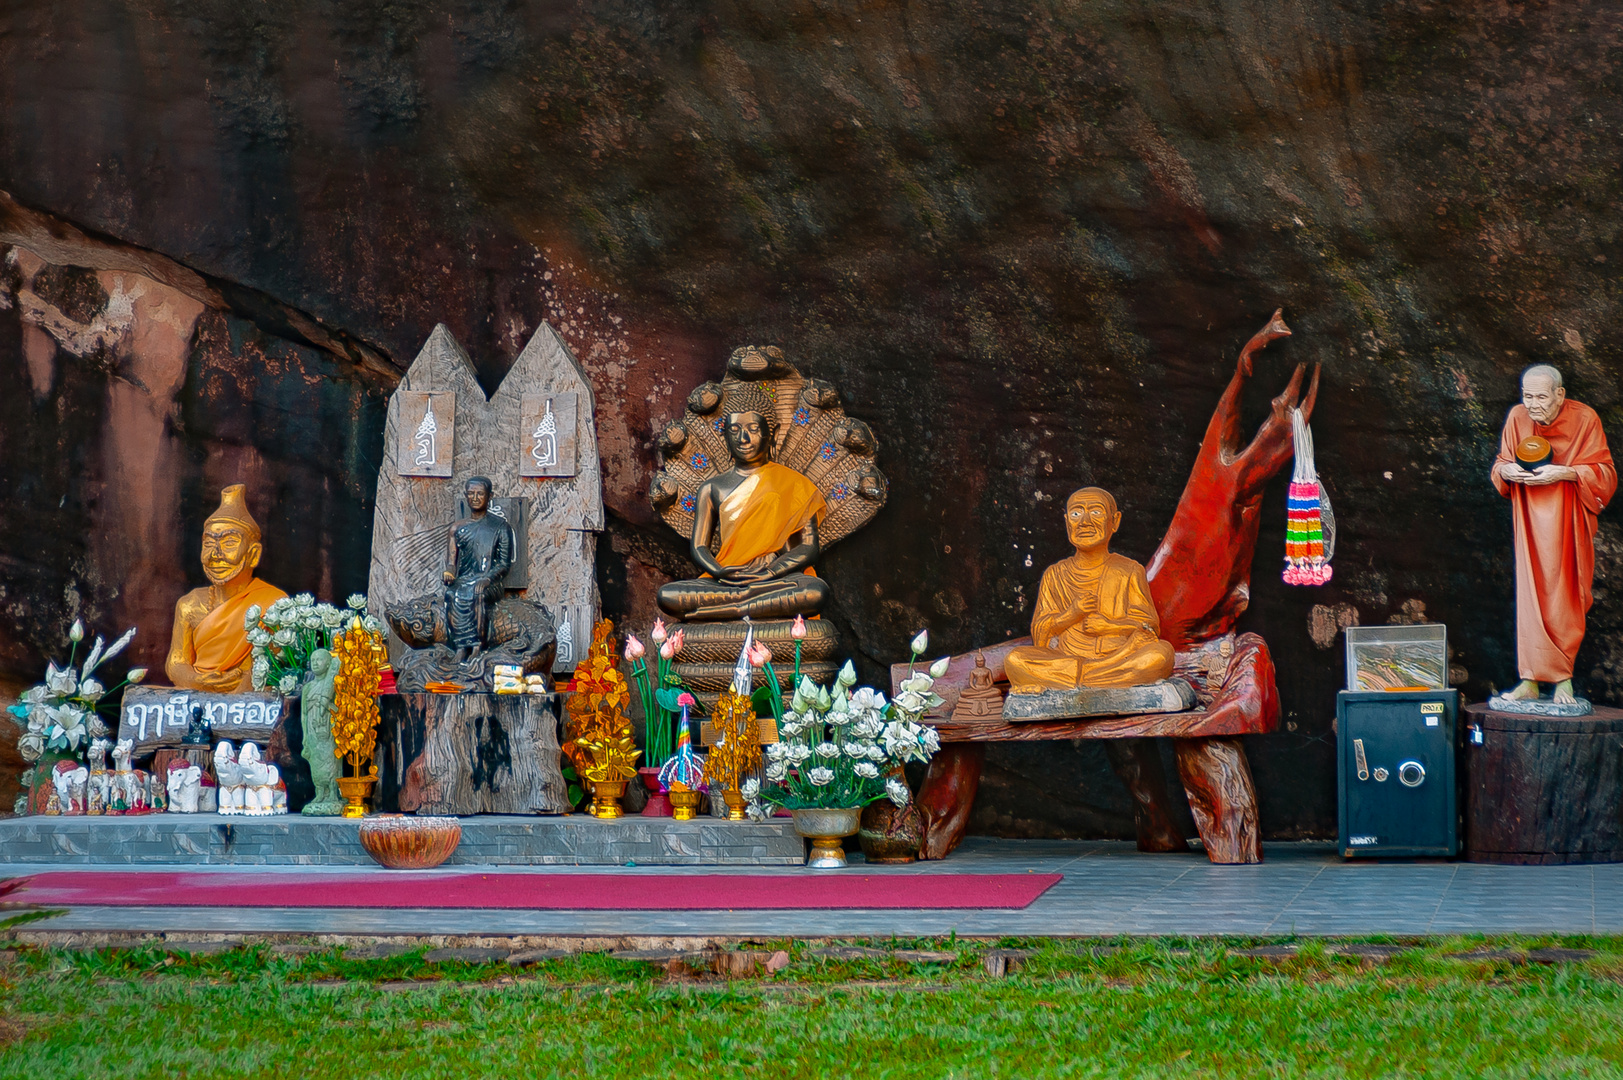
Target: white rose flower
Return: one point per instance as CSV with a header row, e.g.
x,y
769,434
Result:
x,y
919,683
331,617
799,753
897,791
750,788
371,624
91,690
931,740
97,726
876,752
356,601
283,637
868,727
250,618
855,750
776,751
31,746
821,777
289,683
777,772
60,682
259,638
790,729
35,695
261,670
868,699
827,750
314,620
756,812
866,770
304,599
910,702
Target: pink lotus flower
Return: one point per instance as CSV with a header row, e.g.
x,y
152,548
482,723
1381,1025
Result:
x,y
634,649
686,700
668,649
676,640
658,633
760,655
798,630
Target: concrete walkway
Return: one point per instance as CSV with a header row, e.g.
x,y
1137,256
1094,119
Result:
x,y
1108,888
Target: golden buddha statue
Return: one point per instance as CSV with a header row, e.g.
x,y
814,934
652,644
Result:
x,y
209,649
1095,624
754,529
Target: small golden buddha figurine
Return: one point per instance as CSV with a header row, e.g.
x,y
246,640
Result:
x,y
209,650
981,700
1095,624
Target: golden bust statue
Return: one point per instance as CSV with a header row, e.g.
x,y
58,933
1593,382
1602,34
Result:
x,y
1095,624
209,649
754,529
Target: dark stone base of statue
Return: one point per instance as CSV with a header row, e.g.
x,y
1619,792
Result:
x,y
1543,790
520,633
710,650
470,754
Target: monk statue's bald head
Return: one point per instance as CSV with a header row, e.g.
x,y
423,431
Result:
x,y
1091,519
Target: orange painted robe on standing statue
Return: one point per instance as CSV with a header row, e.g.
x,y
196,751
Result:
x,y
1555,537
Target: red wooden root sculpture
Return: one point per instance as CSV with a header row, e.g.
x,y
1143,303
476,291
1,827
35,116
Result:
x,y
1200,578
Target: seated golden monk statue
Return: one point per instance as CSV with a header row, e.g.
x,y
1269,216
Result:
x,y
209,650
1095,624
754,529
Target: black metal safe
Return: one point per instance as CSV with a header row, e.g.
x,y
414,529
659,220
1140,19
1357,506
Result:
x,y
1395,752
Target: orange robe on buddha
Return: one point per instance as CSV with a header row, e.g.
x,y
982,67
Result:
x,y
758,517
1555,537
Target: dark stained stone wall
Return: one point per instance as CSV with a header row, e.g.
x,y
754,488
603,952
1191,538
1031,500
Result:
x,y
1026,240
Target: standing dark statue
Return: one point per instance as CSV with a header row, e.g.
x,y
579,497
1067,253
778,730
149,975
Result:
x,y
480,552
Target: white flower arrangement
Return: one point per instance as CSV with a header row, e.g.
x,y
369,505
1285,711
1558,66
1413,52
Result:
x,y
286,633
60,713
844,746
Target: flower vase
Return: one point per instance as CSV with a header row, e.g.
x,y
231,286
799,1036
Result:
x,y
891,833
356,790
824,828
734,798
606,799
658,805
684,802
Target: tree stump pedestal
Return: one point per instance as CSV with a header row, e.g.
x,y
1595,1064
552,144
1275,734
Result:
x,y
470,754
1543,790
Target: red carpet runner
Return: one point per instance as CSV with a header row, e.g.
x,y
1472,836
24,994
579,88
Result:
x,y
546,892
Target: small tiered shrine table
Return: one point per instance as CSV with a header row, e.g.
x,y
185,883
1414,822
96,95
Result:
x,y
1211,759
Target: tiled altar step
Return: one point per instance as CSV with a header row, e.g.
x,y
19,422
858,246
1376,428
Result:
x,y
488,840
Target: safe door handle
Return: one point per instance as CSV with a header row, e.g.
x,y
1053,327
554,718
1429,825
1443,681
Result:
x,y
1363,762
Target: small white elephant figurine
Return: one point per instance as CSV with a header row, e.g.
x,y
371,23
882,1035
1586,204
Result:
x,y
184,785
229,774
71,784
259,779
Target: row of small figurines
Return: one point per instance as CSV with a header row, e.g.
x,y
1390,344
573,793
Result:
x,y
244,785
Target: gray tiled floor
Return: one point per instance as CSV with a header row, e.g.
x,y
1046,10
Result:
x,y
1107,888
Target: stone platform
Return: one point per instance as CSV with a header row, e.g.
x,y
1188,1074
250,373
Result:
x,y
487,840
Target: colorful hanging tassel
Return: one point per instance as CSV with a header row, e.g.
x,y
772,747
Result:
x,y
1310,527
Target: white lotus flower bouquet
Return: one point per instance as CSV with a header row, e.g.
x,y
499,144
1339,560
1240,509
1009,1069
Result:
x,y
844,747
286,633
61,713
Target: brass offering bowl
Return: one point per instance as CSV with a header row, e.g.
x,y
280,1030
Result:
x,y
399,842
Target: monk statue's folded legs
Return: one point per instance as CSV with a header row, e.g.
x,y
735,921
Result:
x,y
708,600
1031,668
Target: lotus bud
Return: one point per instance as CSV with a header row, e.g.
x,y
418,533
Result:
x,y
634,648
676,641
921,643
939,668
847,675
668,649
825,700
658,633
760,655
798,630
77,634
136,674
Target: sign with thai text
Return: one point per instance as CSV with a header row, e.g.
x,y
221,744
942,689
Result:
x,y
158,716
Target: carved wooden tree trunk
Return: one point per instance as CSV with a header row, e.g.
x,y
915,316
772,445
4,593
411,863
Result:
x,y
1223,799
471,754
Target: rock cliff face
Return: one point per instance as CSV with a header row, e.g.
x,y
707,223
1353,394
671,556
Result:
x,y
1025,241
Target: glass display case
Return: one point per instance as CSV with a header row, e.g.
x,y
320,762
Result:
x,y
1397,657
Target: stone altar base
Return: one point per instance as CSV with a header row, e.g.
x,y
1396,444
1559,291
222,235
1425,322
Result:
x,y
1165,696
575,840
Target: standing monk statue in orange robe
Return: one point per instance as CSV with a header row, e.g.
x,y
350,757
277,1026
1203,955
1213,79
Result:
x,y
209,649
1095,624
754,531
1554,505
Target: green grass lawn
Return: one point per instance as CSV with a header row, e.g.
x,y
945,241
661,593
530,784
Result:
x,y
1134,1007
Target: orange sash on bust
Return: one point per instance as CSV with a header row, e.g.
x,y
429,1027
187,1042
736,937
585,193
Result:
x,y
221,642
760,515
